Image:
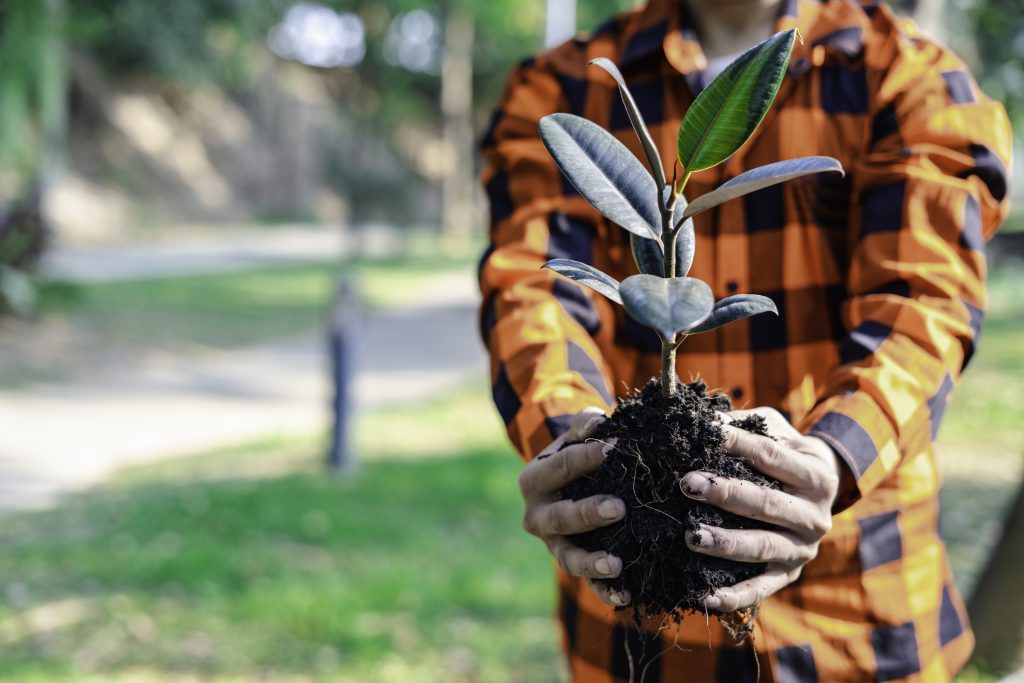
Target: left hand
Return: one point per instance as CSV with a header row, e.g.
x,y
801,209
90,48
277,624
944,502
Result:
x,y
809,472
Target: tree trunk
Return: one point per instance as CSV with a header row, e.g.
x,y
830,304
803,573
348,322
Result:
x,y
930,16
561,22
995,608
458,186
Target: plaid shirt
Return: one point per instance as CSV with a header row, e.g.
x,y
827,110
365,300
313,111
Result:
x,y
879,278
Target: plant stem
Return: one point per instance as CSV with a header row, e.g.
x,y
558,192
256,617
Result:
x,y
668,261
668,367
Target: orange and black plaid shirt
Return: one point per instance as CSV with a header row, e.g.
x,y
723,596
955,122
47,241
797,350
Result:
x,y
879,278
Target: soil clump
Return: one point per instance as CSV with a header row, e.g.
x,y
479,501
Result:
x,y
658,441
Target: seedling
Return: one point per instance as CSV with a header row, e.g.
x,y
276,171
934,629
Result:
x,y
662,431
655,211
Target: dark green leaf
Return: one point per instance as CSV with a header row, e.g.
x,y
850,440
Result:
x,y
685,239
735,308
587,275
762,177
667,305
727,111
650,149
648,253
604,171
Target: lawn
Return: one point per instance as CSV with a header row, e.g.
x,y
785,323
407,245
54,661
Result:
x,y
84,327
253,563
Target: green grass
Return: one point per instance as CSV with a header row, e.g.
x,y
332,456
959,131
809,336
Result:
x,y
415,568
981,442
238,308
81,327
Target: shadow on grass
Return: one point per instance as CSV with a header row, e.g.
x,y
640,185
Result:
x,y
415,567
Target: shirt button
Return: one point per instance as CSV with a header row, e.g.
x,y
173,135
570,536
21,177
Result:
x,y
732,286
737,392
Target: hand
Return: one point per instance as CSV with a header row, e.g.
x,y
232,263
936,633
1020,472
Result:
x,y
809,472
551,519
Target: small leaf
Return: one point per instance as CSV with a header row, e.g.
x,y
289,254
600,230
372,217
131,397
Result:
x,y
604,171
761,177
686,241
587,275
648,255
735,308
727,111
650,149
667,305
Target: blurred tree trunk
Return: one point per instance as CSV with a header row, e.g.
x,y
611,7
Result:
x,y
33,95
930,15
561,22
458,186
995,607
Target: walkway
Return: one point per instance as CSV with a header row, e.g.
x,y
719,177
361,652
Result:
x,y
57,438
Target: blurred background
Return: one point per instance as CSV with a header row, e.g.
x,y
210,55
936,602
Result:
x,y
212,209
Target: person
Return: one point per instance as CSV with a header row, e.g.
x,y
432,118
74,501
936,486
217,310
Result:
x,y
879,278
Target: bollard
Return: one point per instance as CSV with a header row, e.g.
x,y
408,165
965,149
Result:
x,y
343,336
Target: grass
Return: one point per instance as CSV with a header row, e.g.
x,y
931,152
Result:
x,y
82,327
415,568
981,442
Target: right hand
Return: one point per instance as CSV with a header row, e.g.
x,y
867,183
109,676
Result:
x,y
552,519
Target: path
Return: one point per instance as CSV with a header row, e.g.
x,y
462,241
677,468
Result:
x,y
62,437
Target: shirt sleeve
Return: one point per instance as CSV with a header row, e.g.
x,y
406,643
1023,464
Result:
x,y
539,328
929,191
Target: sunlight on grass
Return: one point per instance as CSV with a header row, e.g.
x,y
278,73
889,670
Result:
x,y
231,567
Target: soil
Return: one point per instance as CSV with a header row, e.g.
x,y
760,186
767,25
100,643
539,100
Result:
x,y
658,441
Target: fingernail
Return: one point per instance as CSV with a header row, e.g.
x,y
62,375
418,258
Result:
x,y
698,539
695,485
620,599
608,446
591,424
612,508
609,566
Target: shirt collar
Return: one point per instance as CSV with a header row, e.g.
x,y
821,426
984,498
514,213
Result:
x,y
667,25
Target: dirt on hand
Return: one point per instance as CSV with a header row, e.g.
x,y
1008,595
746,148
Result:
x,y
658,440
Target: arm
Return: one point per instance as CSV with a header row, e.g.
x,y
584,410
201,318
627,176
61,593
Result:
x,y
538,328
929,191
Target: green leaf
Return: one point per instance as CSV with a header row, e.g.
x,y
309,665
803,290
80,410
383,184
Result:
x,y
735,308
727,111
762,177
667,305
650,149
648,253
587,275
604,171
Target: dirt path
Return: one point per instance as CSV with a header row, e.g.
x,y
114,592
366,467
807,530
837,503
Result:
x,y
64,435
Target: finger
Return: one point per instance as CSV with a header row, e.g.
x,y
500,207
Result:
x,y
578,562
752,591
543,477
773,458
776,423
584,423
608,594
566,517
747,499
750,545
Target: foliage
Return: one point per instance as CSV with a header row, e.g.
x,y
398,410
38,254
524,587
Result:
x,y
719,122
